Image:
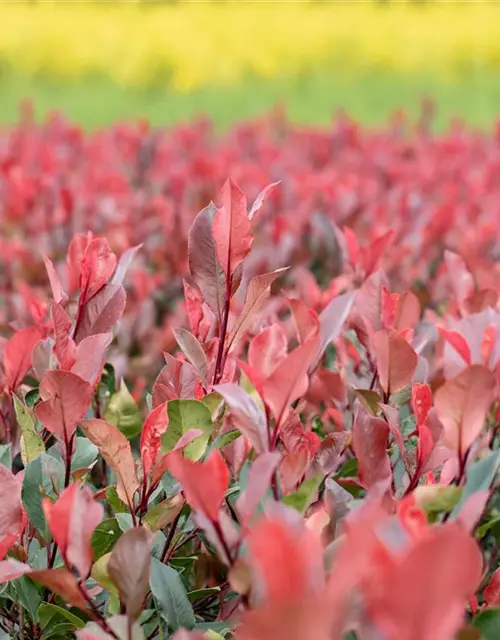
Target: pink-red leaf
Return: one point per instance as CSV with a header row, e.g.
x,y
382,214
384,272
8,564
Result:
x,y
154,427
129,567
65,348
193,351
204,265
17,355
259,482
246,415
115,449
369,441
204,483
72,520
232,229
260,199
462,404
257,293
55,282
66,398
289,381
98,265
395,359
102,312
423,595
10,502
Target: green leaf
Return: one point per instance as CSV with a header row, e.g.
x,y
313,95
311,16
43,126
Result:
x,y
104,537
370,399
480,475
436,499
167,588
108,379
6,455
32,397
212,401
31,442
348,469
114,500
198,594
184,415
85,454
31,496
100,573
124,521
223,439
123,412
48,612
303,497
493,525
58,632
489,623
29,596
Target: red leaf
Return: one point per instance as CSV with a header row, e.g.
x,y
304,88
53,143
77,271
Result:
x,y
289,381
232,229
55,282
458,342
124,263
98,265
461,278
204,264
91,357
462,404
259,481
396,360
267,350
115,449
423,595
176,380
304,319
257,293
61,581
66,398
155,426
246,415
129,567
65,348
72,520
194,307
288,561
421,398
10,502
74,259
491,592
17,356
193,351
204,483
369,441
260,199
332,319
102,312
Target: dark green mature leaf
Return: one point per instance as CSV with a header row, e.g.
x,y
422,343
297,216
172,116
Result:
x,y
29,596
480,475
223,439
184,415
489,623
104,537
167,588
31,496
123,412
32,397
198,594
49,613
304,495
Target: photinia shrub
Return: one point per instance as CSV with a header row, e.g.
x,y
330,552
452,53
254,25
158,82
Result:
x,y
307,462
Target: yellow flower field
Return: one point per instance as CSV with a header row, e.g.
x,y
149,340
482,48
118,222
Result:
x,y
186,45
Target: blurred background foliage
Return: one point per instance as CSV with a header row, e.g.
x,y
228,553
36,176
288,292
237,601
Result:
x,y
169,61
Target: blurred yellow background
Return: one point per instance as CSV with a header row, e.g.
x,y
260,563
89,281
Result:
x,y
183,47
